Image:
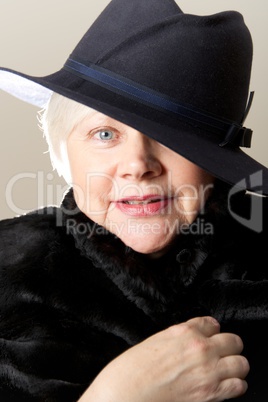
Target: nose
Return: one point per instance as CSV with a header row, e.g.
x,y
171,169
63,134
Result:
x,y
139,159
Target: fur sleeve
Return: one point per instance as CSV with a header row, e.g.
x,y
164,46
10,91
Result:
x,y
48,352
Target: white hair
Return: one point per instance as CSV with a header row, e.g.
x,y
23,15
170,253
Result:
x,y
57,120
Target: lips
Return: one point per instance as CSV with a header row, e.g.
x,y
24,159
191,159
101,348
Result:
x,y
143,206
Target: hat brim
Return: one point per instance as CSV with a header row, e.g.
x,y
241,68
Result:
x,y
200,146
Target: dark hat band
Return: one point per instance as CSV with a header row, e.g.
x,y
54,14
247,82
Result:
x,y
235,133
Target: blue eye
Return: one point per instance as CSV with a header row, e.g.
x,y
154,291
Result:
x,y
105,135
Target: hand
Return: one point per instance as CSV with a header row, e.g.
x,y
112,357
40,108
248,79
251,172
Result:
x,y
189,362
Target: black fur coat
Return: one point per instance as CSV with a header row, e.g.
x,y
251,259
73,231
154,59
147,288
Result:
x,y
72,297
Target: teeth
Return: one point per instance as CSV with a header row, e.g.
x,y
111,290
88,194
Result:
x,y
136,202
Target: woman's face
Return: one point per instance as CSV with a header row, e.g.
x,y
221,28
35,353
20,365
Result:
x,y
133,186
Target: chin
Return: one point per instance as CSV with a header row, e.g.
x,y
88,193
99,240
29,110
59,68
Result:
x,y
143,247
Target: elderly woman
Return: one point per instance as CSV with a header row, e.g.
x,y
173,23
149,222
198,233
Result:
x,y
149,282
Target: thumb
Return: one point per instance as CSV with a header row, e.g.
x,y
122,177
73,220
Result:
x,y
208,326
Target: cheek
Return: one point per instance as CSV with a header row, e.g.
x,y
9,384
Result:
x,y
89,170
93,194
77,164
92,181
189,206
193,193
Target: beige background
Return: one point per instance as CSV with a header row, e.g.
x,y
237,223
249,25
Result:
x,y
36,38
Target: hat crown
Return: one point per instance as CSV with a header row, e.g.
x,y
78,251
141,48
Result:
x,y
120,20
204,61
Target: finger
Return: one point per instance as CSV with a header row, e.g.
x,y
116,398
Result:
x,y
228,344
232,388
208,326
233,367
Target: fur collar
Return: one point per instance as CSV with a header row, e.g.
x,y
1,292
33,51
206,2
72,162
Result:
x,y
174,284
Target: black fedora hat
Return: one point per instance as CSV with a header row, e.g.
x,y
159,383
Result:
x,y
181,79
